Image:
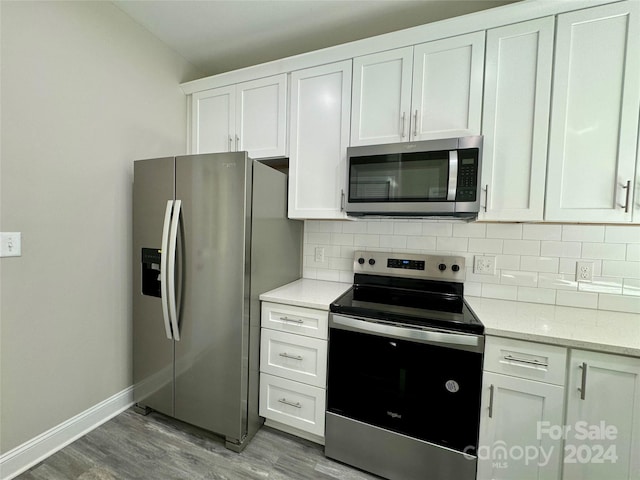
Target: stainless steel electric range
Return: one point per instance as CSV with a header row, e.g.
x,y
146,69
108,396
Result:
x,y
405,369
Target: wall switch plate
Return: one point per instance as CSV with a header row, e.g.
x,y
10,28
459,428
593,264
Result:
x,y
10,244
319,255
584,271
484,265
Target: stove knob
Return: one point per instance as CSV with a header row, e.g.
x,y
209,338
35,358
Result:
x,y
442,267
455,268
361,260
372,261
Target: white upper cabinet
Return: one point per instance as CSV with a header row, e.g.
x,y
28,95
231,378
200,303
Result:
x,y
594,118
248,116
319,135
515,122
447,87
381,105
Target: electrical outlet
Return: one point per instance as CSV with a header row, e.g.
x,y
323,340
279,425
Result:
x,y
10,244
484,265
584,271
319,255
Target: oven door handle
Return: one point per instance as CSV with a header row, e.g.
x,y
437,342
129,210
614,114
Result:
x,y
461,341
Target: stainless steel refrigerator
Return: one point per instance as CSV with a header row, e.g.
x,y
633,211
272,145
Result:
x,y
210,234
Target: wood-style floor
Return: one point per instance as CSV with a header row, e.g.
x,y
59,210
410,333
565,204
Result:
x,y
155,447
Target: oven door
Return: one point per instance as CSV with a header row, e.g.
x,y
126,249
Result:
x,y
420,383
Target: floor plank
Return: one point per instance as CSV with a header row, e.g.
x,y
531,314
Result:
x,y
155,447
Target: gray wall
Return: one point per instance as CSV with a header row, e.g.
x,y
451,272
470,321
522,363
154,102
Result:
x,y
84,91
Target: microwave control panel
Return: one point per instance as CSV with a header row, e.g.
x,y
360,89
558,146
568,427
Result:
x,y
467,184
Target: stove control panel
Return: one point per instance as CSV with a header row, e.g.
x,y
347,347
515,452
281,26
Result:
x,y
448,268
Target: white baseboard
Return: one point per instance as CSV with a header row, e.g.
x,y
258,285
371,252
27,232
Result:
x,y
30,453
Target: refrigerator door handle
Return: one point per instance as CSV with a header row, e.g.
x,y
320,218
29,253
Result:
x,y
163,268
171,274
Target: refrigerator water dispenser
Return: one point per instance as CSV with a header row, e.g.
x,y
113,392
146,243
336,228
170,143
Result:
x,y
151,272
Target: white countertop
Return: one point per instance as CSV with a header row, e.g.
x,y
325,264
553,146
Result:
x,y
307,293
601,330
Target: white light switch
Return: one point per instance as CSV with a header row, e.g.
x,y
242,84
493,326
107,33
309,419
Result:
x,y
10,244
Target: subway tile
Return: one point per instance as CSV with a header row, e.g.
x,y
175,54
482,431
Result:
x,y
503,292
329,275
472,289
521,247
631,286
602,285
485,245
452,244
309,273
393,241
346,277
583,233
619,303
340,264
537,295
622,234
557,281
354,227
481,278
319,238
421,243
437,229
347,251
633,252
474,230
539,264
560,249
508,262
365,240
613,268
577,299
342,238
541,232
514,277
504,230
328,226
604,251
407,228
380,227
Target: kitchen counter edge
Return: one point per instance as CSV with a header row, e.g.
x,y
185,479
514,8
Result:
x,y
307,292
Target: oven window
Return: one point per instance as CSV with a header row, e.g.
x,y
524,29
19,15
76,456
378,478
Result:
x,y
410,177
424,391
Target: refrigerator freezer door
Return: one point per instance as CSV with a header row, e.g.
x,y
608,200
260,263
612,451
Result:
x,y
211,374
153,187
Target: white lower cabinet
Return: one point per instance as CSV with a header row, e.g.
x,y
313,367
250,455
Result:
x,y
293,369
516,408
603,415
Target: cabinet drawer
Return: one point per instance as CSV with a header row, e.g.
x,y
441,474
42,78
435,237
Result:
x,y
300,320
292,403
298,358
536,361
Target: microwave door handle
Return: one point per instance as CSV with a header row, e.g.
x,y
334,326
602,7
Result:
x,y
453,175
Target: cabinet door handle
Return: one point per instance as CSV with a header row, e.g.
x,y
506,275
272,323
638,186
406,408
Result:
x,y
342,200
626,205
491,401
486,197
583,383
237,142
524,360
294,320
287,402
415,124
294,357
230,141
404,121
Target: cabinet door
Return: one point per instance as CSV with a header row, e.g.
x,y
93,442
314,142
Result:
x,y
319,135
447,87
261,121
381,104
516,118
596,96
213,120
604,401
513,409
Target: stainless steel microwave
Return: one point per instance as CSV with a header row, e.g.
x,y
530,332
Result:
x,y
426,178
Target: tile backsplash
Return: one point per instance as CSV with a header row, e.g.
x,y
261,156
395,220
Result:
x,y
534,262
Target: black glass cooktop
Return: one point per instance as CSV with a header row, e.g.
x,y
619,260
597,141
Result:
x,y
410,301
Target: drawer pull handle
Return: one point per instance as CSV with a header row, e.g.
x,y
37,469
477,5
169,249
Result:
x,y
294,320
538,363
287,402
583,385
491,401
286,355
